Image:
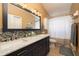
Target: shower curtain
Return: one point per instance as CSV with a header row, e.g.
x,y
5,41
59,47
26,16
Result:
x,y
60,27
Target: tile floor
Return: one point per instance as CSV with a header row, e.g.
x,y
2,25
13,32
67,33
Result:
x,y
54,49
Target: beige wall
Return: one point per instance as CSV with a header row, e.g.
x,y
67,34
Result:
x,y
74,7
0,17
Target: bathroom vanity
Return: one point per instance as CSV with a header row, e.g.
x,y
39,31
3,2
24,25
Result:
x,y
37,45
29,46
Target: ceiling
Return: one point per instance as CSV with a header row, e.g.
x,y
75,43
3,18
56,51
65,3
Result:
x,y
55,9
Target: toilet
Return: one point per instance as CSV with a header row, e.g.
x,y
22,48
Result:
x,y
53,42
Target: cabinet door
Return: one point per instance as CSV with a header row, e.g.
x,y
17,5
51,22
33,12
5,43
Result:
x,y
41,47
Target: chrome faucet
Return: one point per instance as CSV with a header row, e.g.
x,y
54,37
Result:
x,y
14,36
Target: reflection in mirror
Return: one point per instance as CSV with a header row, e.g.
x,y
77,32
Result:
x,y
21,19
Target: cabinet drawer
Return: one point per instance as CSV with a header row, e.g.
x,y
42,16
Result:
x,y
25,53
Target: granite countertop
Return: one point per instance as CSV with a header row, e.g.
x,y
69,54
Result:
x,y
11,46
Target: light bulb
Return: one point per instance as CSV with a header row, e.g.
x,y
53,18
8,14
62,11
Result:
x,y
76,13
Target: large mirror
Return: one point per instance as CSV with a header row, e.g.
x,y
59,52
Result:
x,y
18,18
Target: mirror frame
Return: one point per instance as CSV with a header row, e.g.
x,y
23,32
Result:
x,y
5,18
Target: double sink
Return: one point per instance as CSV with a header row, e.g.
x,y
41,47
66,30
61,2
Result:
x,y
20,42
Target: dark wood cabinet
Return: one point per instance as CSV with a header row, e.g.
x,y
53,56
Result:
x,y
39,48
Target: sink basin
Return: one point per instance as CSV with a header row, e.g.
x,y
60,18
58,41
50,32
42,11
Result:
x,y
6,45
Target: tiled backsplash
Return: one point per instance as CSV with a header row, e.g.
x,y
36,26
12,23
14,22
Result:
x,y
7,36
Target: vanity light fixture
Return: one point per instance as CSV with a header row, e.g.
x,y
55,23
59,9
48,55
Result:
x,y
76,14
36,12
24,5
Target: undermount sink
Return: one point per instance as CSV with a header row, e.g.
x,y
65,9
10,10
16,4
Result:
x,y
24,39
10,44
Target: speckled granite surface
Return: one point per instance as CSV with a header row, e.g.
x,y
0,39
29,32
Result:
x,y
11,46
7,36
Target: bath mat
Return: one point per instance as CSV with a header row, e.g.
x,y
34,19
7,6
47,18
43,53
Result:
x,y
66,51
